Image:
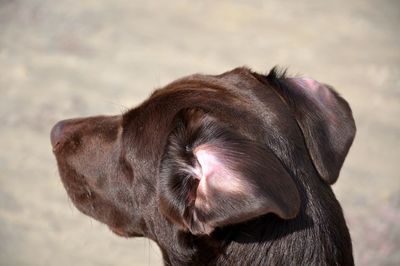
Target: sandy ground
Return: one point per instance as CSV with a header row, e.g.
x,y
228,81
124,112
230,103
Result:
x,y
65,58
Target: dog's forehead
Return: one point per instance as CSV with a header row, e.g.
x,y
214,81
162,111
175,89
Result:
x,y
236,77
237,95
240,76
237,90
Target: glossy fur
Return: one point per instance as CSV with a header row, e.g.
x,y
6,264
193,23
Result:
x,y
233,169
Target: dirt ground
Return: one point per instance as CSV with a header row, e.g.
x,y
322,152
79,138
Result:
x,y
65,58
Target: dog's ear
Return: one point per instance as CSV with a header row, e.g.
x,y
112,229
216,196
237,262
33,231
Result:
x,y
212,176
326,122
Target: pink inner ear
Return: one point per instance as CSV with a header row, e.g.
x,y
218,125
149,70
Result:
x,y
319,92
207,164
311,84
214,172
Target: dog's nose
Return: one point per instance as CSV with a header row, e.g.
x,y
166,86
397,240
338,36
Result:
x,y
57,133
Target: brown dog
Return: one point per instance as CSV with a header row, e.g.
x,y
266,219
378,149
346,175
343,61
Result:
x,y
233,169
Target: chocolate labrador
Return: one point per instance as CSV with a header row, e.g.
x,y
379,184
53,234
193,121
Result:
x,y
233,169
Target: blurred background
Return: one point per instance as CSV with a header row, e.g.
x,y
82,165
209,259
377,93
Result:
x,y
67,58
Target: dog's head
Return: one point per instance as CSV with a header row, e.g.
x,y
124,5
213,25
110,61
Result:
x,y
205,152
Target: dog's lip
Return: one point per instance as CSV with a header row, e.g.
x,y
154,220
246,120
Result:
x,y
117,231
121,232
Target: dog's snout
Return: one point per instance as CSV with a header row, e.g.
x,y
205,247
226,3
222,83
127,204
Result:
x,y
57,133
72,131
